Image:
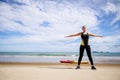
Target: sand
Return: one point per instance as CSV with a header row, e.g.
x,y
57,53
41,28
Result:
x,y
57,71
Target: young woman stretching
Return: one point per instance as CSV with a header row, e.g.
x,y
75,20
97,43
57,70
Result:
x,y
84,45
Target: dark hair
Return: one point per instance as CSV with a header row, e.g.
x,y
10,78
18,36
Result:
x,y
83,26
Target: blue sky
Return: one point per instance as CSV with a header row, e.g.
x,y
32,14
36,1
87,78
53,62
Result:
x,y
40,25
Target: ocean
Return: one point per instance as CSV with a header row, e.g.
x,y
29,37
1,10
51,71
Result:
x,y
98,57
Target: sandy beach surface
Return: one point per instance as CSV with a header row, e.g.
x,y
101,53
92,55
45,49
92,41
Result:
x,y
58,71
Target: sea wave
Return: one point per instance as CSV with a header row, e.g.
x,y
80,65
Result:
x,y
23,58
59,53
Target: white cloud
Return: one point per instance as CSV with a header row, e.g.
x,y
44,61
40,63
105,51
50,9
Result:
x,y
64,18
110,7
64,15
113,8
106,43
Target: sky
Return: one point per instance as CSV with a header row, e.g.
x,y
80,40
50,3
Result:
x,y
40,25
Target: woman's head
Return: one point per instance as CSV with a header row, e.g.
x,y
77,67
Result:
x,y
84,28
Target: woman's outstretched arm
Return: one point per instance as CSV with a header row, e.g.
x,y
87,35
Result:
x,y
73,35
94,35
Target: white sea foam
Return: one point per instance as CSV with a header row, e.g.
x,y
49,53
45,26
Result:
x,y
26,58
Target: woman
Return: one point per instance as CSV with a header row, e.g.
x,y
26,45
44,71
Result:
x,y
84,45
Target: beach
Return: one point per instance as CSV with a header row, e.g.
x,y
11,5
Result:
x,y
47,66
57,71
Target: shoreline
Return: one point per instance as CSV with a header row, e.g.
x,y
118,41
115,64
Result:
x,y
56,59
51,63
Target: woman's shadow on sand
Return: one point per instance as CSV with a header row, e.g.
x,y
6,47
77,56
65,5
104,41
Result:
x,y
59,68
67,67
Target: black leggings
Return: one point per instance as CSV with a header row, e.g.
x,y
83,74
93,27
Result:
x,y
88,49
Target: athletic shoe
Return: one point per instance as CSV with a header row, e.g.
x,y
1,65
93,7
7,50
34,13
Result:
x,y
78,67
93,68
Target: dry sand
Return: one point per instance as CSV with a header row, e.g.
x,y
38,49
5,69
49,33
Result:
x,y
57,71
